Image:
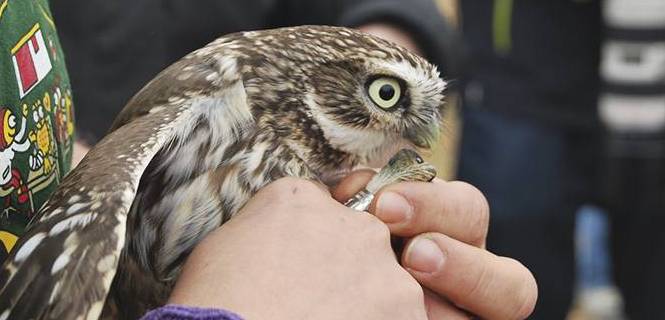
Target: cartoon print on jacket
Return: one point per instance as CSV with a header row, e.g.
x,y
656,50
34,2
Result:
x,y
12,141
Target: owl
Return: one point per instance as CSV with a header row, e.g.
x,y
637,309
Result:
x,y
196,143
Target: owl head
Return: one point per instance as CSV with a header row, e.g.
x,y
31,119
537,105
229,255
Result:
x,y
343,92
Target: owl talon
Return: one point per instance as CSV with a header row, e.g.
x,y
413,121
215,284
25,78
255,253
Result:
x,y
405,166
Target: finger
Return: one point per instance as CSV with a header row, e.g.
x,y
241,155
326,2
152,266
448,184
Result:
x,y
351,184
453,208
474,279
439,308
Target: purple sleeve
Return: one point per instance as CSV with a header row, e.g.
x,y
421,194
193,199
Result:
x,y
178,312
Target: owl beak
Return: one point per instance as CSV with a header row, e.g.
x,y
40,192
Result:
x,y
423,136
419,139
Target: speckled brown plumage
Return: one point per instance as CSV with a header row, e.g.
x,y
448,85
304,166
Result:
x,y
196,143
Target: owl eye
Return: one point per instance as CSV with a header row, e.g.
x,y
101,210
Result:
x,y
385,92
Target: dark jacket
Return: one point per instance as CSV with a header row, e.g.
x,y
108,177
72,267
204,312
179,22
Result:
x,y
534,58
114,47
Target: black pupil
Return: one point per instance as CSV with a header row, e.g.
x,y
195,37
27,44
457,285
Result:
x,y
419,160
386,92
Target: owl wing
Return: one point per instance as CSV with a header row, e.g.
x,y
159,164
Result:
x,y
64,265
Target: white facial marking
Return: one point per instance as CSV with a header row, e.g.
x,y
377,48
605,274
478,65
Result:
x,y
365,143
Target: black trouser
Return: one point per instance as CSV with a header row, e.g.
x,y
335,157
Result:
x,y
635,194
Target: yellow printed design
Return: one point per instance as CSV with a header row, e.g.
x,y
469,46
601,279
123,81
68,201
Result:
x,y
3,6
8,240
46,15
44,154
11,142
8,128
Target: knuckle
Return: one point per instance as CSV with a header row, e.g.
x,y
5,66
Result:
x,y
377,229
478,231
481,206
479,213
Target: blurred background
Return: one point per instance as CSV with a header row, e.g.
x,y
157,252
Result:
x,y
556,111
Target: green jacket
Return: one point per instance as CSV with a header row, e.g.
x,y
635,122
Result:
x,y
36,114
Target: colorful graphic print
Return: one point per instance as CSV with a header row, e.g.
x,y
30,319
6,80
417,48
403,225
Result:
x,y
36,115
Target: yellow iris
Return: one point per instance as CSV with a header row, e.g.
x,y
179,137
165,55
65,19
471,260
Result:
x,y
385,92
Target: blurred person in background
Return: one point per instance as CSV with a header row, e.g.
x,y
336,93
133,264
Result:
x,y
117,46
37,115
632,109
532,137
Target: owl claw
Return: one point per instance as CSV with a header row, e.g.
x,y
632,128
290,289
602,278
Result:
x,y
405,166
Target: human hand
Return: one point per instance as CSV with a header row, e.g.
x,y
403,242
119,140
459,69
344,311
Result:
x,y
445,224
294,253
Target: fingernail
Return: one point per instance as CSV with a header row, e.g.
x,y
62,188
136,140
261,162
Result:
x,y
393,208
423,255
